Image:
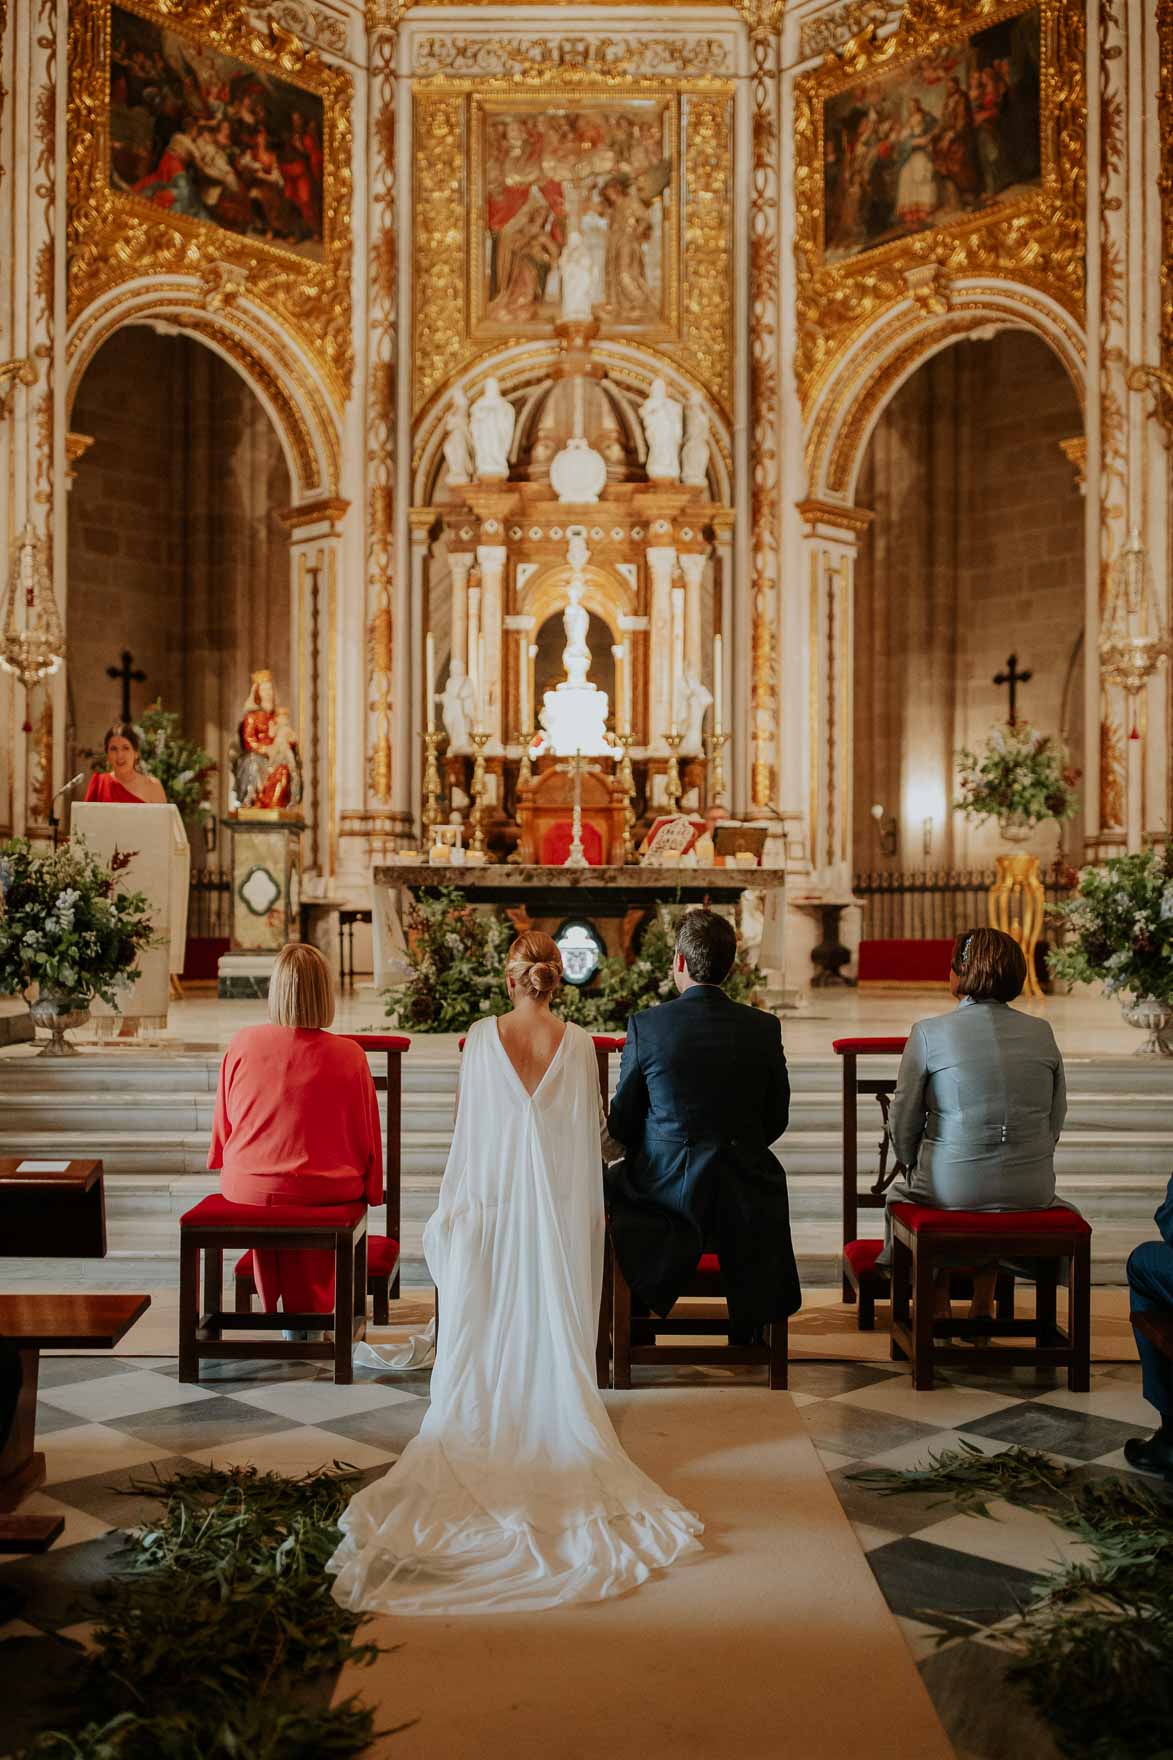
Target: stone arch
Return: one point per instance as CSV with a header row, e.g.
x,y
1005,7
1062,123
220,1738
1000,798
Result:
x,y
889,351
525,369
287,383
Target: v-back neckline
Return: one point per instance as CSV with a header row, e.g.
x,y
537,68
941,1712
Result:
x,y
513,1067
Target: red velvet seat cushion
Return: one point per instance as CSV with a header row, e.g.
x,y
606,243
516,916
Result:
x,y
382,1258
862,1256
218,1212
708,1266
1058,1220
869,1047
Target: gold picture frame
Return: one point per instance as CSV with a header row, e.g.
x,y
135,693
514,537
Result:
x,y
116,235
449,250
1036,238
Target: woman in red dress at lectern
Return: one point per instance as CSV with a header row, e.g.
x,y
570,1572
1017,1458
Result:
x,y
124,784
296,1122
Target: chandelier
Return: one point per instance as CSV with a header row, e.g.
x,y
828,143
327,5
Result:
x,y
1133,641
33,643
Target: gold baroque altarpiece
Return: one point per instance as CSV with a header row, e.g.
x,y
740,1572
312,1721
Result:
x,y
1037,240
116,236
454,322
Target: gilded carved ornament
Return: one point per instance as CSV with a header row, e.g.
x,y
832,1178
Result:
x,y
1037,241
116,237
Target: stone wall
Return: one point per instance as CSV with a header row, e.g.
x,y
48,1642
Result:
x,y
976,550
176,547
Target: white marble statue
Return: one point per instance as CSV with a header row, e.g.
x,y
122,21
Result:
x,y
492,420
458,439
694,459
576,270
458,707
695,697
663,422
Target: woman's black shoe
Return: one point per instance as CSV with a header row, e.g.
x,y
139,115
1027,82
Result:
x,y
1153,1454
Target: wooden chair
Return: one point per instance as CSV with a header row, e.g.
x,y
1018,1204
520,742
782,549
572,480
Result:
x,y
215,1225
863,1281
774,1353
382,1250
1038,1242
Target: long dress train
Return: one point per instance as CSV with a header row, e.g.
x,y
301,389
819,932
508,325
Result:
x,y
516,1494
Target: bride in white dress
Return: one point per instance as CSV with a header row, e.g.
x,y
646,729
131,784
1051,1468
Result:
x,y
516,1494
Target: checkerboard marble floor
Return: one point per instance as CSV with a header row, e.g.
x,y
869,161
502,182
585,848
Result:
x,y
952,1581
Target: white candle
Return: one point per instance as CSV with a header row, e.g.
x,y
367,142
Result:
x,y
718,688
677,651
482,688
523,680
430,679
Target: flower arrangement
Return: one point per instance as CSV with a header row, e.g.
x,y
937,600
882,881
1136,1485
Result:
x,y
64,926
458,958
1021,775
1119,927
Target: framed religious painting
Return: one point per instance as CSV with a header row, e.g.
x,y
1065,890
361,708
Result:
x,y
950,134
543,168
952,141
197,137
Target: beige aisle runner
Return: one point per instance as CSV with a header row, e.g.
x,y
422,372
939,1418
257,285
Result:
x,y
775,1645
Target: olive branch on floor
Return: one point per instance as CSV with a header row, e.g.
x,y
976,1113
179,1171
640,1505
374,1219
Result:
x,y
220,1640
1093,1648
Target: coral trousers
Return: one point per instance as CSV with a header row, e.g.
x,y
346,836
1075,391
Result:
x,y
301,1279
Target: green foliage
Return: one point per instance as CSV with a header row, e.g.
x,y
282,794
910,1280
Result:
x,y
208,1648
458,955
183,767
1094,1647
1019,774
63,924
1118,928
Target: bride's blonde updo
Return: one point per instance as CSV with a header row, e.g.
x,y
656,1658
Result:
x,y
534,964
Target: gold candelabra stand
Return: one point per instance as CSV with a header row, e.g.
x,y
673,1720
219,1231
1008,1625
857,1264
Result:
x,y
718,740
431,812
672,789
525,774
626,778
479,742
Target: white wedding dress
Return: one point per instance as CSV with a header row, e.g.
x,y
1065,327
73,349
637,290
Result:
x,y
516,1494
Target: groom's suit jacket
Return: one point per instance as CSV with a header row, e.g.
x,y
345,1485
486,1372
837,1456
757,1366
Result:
x,y
703,1092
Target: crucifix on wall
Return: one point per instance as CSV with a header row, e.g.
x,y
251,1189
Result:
x,y
1013,678
127,674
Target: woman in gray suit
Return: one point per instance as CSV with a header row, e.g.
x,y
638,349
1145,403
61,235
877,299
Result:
x,y
980,1100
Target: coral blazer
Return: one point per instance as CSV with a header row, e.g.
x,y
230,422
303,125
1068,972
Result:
x,y
296,1118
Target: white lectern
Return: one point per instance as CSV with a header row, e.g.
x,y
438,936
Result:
x,y
160,868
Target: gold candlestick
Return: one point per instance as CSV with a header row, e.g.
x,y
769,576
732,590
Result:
x,y
626,778
525,774
431,812
717,743
479,742
672,790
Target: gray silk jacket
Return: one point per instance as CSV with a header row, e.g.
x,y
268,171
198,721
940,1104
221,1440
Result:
x,y
978,1108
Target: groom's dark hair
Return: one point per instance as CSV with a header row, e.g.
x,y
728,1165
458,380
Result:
x,y
709,946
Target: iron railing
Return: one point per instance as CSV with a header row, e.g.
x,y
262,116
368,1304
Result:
x,y
209,905
930,904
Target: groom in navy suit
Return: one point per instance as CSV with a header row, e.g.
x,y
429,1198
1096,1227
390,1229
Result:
x,y
703,1092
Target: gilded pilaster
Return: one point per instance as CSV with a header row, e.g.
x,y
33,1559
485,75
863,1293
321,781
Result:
x,y
382,330
764,342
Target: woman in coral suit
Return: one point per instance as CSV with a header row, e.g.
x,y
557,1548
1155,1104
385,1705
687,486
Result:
x,y
296,1122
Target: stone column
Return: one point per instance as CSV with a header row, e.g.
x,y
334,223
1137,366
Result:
x,y
474,649
661,566
692,567
830,544
315,549
459,565
492,560
32,338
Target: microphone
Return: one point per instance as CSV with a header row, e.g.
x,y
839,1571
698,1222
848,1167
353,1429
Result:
x,y
72,783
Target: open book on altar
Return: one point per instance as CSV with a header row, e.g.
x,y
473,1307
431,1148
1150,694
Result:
x,y
160,868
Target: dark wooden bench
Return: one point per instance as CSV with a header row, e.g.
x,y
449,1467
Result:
x,y
35,1323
